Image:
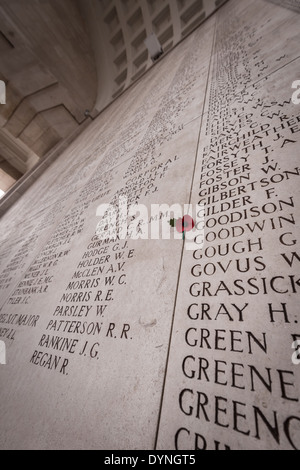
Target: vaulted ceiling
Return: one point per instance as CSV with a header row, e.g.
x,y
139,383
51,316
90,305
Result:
x,y
47,63
118,29
63,61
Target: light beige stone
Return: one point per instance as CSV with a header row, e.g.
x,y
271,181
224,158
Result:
x,y
108,374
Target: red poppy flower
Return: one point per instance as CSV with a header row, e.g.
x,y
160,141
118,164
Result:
x,y
186,224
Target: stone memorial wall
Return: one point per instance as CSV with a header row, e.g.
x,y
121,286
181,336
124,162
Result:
x,y
144,342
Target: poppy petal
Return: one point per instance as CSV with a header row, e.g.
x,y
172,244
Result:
x,y
188,223
179,226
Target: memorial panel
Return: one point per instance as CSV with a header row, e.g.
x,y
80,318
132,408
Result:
x,y
232,380
186,341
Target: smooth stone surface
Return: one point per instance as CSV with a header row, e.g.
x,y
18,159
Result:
x,y
91,330
231,382
97,333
